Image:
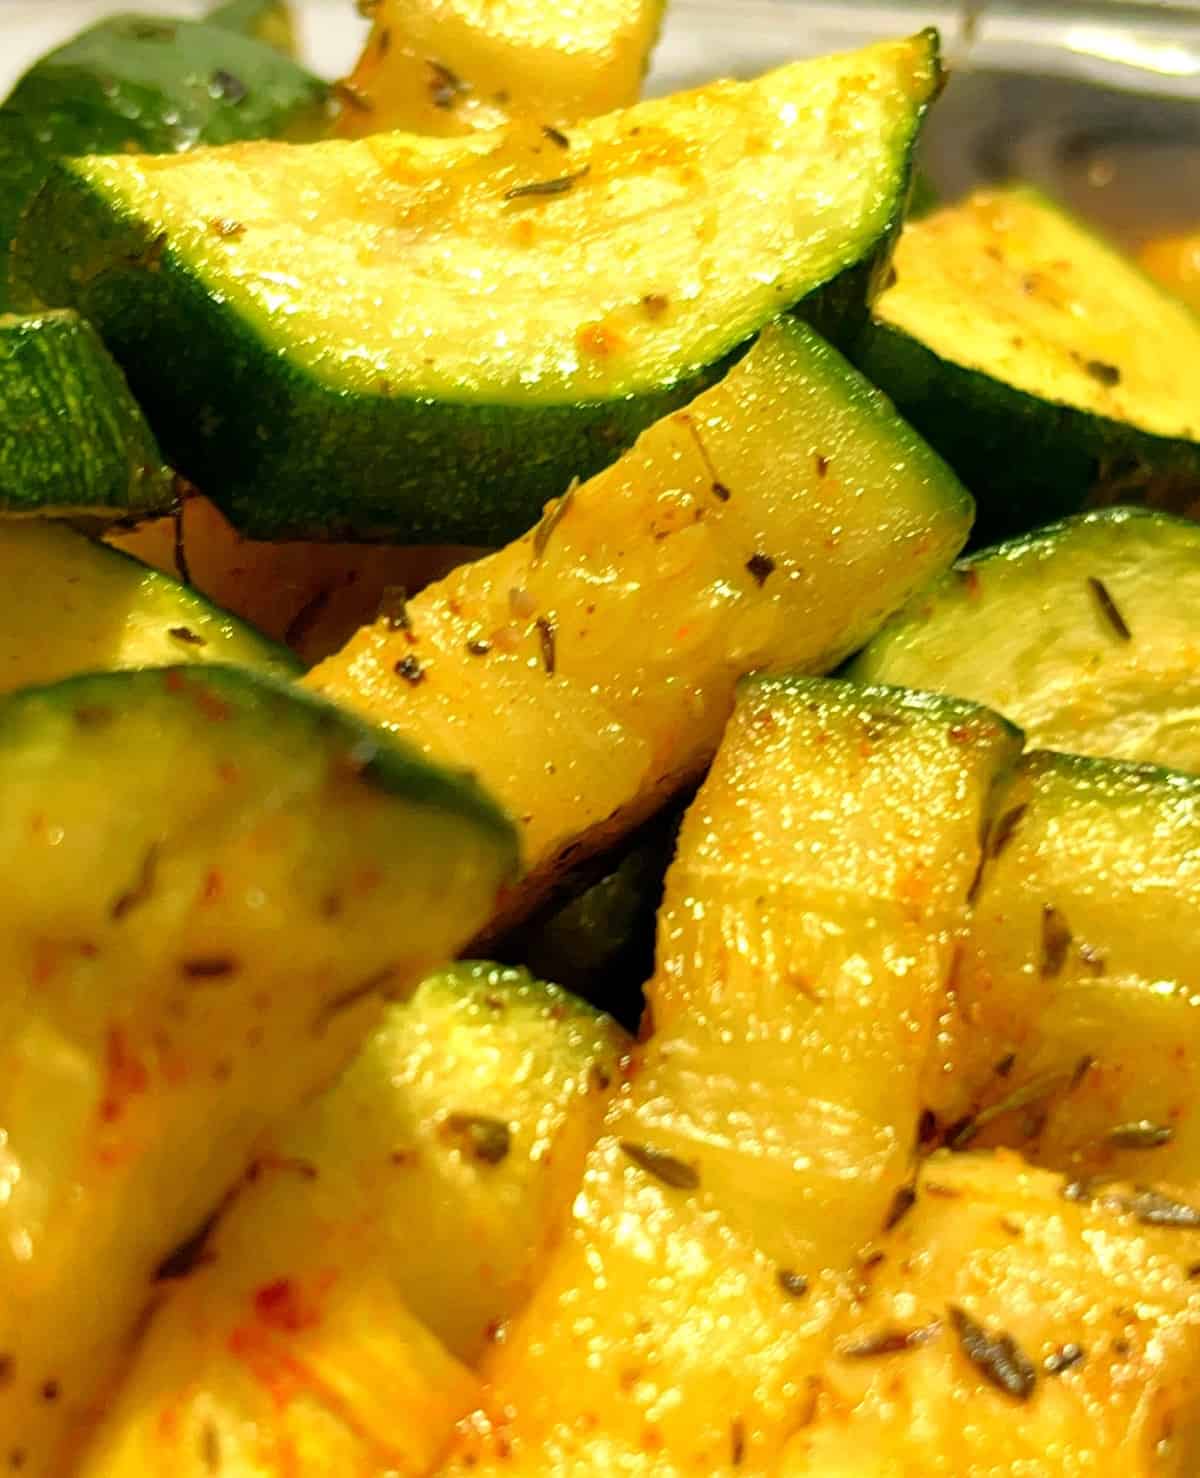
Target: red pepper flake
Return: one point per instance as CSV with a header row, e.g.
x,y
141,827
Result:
x,y
655,304
125,1076
547,636
226,229
279,1306
599,340
822,464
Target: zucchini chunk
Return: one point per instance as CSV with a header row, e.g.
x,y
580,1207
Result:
x,y
773,524
1072,1031
470,323
69,606
467,1115
311,596
1042,1334
269,21
820,875
1039,361
1086,634
72,438
210,880
151,84
433,67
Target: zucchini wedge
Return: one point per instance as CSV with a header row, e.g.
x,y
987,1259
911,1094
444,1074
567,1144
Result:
x,y
148,84
470,323
773,524
1042,1334
311,596
1042,364
820,875
439,68
1085,634
73,441
70,606
1072,1028
467,1115
210,880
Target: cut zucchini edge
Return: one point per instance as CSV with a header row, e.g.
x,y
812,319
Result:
x,y
186,757
280,432
1085,632
467,1112
1028,456
73,441
69,606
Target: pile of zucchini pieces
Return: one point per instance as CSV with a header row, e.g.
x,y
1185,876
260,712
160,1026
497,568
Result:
x,y
433,502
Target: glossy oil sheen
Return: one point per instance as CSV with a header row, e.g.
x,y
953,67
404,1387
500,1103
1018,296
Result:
x,y
773,524
208,881
1100,1001
1023,629
449,66
806,931
376,1199
999,1240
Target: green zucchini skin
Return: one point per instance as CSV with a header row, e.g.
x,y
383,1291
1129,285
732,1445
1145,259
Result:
x,y
1026,460
151,85
72,438
269,21
270,440
1083,633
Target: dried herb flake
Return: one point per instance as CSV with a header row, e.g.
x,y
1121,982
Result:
x,y
550,520
997,1357
678,1174
1056,941
1109,608
889,1341
548,637
794,1284
536,189
488,1140
1063,1359
1140,1134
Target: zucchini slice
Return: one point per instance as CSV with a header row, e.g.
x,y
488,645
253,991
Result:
x,y
270,21
1086,634
467,1116
820,875
447,67
209,881
774,523
69,606
150,84
72,438
468,324
1073,1028
1035,1324
1039,361
311,596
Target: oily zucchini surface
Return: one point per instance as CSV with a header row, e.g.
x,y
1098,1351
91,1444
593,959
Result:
x,y
69,606
1086,634
772,524
434,1175
1041,362
820,876
1041,1323
72,438
471,323
1072,1031
210,880
136,83
446,67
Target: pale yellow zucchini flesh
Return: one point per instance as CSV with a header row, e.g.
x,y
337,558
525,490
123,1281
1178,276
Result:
x,y
1011,1327
586,671
209,884
449,66
1072,1028
378,1244
821,873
